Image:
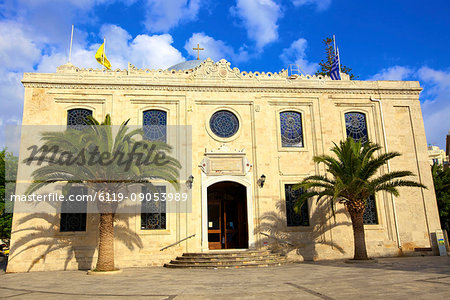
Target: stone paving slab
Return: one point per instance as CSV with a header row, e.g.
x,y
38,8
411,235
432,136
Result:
x,y
390,278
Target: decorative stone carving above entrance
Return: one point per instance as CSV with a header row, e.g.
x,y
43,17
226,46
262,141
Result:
x,y
225,161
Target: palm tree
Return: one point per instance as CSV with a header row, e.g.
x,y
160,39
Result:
x,y
352,181
107,175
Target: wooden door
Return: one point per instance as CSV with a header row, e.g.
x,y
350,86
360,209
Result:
x,y
215,225
231,225
227,217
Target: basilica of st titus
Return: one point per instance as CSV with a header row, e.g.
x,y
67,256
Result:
x,y
252,136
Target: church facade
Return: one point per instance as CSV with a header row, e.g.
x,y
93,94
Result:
x,y
253,137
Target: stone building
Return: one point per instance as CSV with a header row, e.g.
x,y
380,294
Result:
x,y
244,125
437,156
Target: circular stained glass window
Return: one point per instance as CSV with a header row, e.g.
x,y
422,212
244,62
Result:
x,y
224,123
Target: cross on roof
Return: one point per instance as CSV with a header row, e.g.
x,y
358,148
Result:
x,y
198,51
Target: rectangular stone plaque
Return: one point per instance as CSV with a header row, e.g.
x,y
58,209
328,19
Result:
x,y
226,165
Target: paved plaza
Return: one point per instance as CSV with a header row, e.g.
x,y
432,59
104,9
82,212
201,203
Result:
x,y
389,278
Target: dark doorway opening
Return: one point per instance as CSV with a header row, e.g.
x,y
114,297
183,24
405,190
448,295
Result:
x,y
227,216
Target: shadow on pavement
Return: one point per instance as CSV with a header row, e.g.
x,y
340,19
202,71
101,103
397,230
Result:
x,y
408,264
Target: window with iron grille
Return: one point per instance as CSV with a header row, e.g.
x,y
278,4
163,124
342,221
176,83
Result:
x,y
73,216
293,218
370,216
76,118
153,209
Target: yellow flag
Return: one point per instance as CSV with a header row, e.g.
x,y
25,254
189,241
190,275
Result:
x,y
101,57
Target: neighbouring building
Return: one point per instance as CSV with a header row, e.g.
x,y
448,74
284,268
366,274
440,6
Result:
x,y
437,156
244,125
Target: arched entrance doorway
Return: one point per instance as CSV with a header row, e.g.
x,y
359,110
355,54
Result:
x,y
227,216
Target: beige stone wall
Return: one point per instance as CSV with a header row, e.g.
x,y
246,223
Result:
x,y
190,98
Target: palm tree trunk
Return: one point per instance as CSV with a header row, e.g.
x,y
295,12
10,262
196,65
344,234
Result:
x,y
356,210
105,260
359,237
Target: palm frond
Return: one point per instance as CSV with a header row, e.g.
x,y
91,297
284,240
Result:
x,y
107,173
388,177
351,174
373,165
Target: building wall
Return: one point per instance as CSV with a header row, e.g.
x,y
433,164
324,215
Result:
x,y
190,97
437,156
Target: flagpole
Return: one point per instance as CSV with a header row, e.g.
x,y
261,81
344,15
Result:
x,y
70,49
339,63
336,53
103,56
334,45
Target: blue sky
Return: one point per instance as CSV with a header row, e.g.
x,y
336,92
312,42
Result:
x,y
380,40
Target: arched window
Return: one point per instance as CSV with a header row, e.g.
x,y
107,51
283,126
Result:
x,y
155,125
73,214
356,126
76,118
291,129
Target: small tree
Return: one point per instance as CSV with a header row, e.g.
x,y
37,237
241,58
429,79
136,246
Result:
x,y
325,64
103,178
8,171
441,179
352,181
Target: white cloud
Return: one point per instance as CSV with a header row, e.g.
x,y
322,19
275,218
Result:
x,y
11,95
22,51
162,15
321,4
144,51
81,57
116,38
18,53
440,79
215,49
435,104
260,19
154,51
117,46
393,73
17,50
47,21
34,36
295,54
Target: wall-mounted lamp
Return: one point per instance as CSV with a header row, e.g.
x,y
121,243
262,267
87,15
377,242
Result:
x,y
189,182
261,180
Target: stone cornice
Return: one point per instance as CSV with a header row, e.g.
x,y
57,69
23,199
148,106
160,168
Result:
x,y
210,76
237,89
